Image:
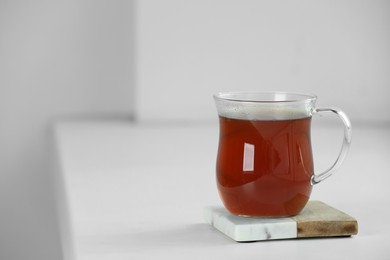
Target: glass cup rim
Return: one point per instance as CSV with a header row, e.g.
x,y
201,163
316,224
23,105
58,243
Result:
x,y
264,96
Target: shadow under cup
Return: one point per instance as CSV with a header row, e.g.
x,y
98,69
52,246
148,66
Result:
x,y
264,162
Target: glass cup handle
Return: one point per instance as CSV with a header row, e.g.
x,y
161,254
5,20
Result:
x,y
317,178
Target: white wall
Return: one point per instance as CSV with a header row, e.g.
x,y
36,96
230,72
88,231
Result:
x,y
188,50
56,59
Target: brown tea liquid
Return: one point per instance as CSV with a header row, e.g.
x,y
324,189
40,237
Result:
x,y
264,167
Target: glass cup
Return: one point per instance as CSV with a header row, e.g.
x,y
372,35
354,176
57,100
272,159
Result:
x,y
265,162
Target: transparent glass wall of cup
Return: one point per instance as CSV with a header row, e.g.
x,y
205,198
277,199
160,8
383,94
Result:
x,y
265,162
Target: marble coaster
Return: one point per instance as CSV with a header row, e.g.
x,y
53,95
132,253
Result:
x,y
317,219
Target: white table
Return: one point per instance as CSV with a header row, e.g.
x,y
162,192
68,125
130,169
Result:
x,y
137,191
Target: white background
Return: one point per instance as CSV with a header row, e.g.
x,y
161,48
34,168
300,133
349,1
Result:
x,y
57,58
188,50
162,60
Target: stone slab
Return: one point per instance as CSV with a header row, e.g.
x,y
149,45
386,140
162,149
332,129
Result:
x,y
317,219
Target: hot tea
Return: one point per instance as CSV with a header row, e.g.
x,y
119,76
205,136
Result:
x,y
264,167
264,163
